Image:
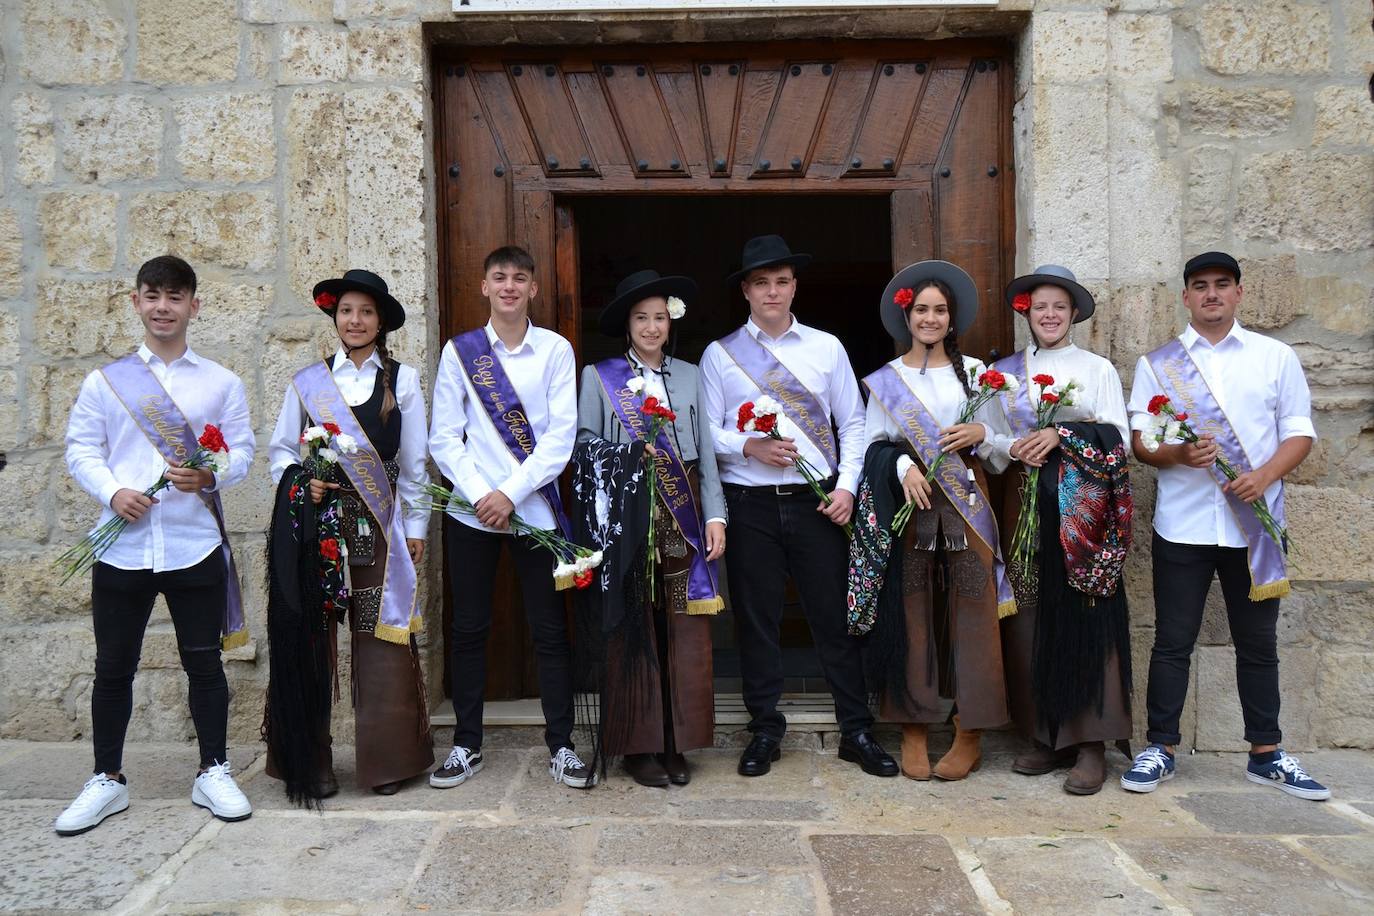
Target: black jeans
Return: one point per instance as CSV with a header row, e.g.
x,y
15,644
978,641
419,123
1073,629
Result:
x,y
1182,577
472,558
121,602
772,537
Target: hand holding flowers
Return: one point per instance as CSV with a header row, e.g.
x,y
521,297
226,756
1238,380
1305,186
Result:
x,y
763,416
1026,540
323,445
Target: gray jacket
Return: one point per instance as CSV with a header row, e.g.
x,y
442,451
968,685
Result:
x,y
691,434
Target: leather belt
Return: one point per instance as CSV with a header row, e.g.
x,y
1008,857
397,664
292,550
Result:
x,y
785,489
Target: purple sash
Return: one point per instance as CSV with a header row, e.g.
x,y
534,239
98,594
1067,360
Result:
x,y
801,406
502,404
1180,379
702,594
1017,406
159,418
399,616
920,428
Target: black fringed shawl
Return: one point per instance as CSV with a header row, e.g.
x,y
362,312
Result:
x,y
1085,523
611,494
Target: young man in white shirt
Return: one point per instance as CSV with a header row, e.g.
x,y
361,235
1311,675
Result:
x,y
1249,390
527,404
778,526
174,544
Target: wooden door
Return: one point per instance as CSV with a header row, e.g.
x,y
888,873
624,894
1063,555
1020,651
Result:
x,y
522,131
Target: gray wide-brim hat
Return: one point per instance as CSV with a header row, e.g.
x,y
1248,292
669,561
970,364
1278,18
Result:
x,y
1054,275
959,282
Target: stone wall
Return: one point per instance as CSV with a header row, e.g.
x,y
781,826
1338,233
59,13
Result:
x,y
273,142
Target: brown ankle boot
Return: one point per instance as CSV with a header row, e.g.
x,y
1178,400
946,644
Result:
x,y
1041,759
1089,772
965,754
915,757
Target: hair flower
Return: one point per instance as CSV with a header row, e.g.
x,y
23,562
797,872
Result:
x,y
1021,302
326,301
904,297
676,308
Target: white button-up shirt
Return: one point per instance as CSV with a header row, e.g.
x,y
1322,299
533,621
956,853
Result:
x,y
108,452
819,362
1259,384
941,393
356,384
471,453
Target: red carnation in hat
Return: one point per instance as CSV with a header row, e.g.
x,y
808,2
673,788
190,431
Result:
x,y
1021,302
326,301
904,297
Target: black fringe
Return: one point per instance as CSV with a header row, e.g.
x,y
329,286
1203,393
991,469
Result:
x,y
885,646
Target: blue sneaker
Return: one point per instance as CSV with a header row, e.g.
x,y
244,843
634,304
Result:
x,y
1152,766
1284,772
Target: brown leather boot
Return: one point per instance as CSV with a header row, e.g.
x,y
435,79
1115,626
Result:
x,y
964,756
1089,772
1041,759
915,757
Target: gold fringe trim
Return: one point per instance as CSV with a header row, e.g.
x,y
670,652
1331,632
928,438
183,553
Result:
x,y
1279,589
1006,609
234,640
399,635
712,605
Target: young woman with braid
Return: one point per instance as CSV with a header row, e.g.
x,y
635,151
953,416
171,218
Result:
x,y
929,594
345,541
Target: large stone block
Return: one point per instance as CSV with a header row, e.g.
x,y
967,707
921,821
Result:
x,y
1219,723
1271,292
1142,47
1345,694
1359,37
258,54
1344,304
316,192
51,392
226,137
385,157
77,318
110,138
287,10
11,414
77,42
187,41
1345,117
1332,531
386,52
1143,204
24,499
1069,47
46,677
230,330
35,151
236,229
11,254
31,590
312,54
1129,321
79,230
10,344
1340,614
1272,36
1206,213
1238,112
1071,165
1316,201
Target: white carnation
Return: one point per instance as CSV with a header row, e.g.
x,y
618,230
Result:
x,y
1012,383
346,444
315,434
329,456
635,385
766,405
594,560
564,571
676,308
219,462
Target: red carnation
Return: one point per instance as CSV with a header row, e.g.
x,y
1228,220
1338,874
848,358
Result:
x,y
993,379
583,579
1021,302
1180,417
649,406
329,549
667,414
904,297
326,301
332,429
746,413
766,423
1043,380
1049,397
1158,403
213,439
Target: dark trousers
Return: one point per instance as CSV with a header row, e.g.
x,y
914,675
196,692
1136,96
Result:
x,y
772,537
1182,577
472,558
121,602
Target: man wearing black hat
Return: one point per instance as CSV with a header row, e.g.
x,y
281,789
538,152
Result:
x,y
1219,512
778,526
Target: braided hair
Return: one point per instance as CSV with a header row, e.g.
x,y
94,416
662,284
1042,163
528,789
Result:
x,y
951,340
388,396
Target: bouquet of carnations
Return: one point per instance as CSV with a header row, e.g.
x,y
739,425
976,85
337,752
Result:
x,y
1167,423
211,452
991,383
763,416
658,416
576,566
1026,540
323,445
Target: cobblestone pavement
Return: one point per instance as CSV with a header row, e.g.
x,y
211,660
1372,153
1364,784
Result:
x,y
814,836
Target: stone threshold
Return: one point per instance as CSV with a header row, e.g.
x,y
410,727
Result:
x,y
807,712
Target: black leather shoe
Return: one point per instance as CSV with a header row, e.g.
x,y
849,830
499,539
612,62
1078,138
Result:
x,y
646,770
675,764
864,750
388,788
758,757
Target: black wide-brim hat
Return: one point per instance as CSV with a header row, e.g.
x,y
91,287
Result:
x,y
638,286
959,282
767,251
365,281
1054,275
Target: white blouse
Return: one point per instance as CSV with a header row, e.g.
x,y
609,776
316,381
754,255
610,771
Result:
x,y
941,393
1098,400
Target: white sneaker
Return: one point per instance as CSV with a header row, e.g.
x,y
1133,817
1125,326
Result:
x,y
566,767
99,798
216,790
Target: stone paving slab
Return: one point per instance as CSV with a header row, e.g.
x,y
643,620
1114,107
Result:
x,y
893,874
1265,812
57,771
44,871
1352,858
741,845
1349,774
1064,875
759,893
500,868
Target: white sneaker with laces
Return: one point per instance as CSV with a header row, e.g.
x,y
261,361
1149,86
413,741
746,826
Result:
x,y
100,797
566,767
216,791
